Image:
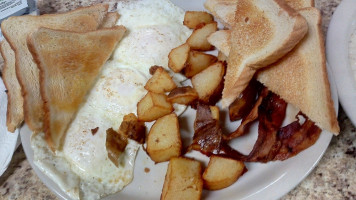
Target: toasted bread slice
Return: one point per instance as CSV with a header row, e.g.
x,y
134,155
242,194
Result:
x,y
263,32
224,10
16,31
110,20
301,79
14,114
221,40
69,63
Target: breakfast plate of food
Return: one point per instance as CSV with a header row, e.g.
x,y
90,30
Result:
x,y
341,54
173,99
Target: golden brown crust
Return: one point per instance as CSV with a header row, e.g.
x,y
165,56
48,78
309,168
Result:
x,y
14,113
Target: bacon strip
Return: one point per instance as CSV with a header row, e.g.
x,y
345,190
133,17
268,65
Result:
x,y
246,121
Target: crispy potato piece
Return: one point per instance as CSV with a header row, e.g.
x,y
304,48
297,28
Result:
x,y
182,95
197,62
163,140
222,172
215,112
115,145
132,128
193,18
209,82
160,82
153,106
177,57
198,39
183,180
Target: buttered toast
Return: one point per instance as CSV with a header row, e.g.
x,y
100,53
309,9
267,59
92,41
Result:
x,y
301,79
69,63
17,29
263,32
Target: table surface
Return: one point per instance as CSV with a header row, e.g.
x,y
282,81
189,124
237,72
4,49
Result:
x,y
333,178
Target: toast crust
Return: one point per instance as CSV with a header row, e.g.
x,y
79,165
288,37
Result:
x,y
257,42
69,64
14,113
302,80
16,29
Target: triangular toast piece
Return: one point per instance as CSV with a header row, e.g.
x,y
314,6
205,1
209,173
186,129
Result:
x,y
221,40
300,78
69,64
17,29
14,113
224,10
263,32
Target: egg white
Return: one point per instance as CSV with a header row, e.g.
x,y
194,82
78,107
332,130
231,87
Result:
x,y
82,168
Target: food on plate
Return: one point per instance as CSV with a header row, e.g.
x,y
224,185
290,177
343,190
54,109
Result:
x,y
153,106
115,145
163,140
245,102
192,19
208,83
197,62
160,82
222,172
132,128
81,166
183,179
198,39
14,113
306,86
17,29
280,28
221,40
224,10
64,78
110,20
178,57
183,95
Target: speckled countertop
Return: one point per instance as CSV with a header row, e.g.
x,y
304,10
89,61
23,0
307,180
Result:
x,y
333,178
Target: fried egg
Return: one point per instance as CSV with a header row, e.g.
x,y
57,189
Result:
x,y
82,168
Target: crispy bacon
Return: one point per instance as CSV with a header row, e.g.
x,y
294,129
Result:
x,y
243,105
271,114
208,135
251,117
295,138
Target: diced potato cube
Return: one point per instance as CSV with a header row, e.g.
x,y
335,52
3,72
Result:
x,y
222,172
153,106
209,82
163,140
178,57
198,39
182,95
160,82
193,18
183,180
197,62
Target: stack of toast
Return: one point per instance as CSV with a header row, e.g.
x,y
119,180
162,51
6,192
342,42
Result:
x,y
280,43
51,62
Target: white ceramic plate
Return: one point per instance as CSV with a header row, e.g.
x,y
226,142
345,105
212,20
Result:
x,y
342,24
262,181
8,141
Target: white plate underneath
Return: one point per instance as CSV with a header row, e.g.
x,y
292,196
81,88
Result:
x,y
341,26
262,181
